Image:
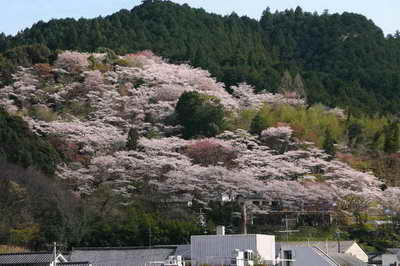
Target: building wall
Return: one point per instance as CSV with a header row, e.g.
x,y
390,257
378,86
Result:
x,y
356,251
266,247
388,259
218,249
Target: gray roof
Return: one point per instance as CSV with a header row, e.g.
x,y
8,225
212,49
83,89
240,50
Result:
x,y
310,257
331,245
129,256
184,251
26,258
78,263
393,250
347,260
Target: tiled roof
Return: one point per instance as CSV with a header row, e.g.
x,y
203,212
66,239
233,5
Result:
x,y
122,256
393,250
347,260
26,258
184,251
79,263
331,245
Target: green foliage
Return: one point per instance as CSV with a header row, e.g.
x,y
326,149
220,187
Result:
x,y
375,239
240,120
43,113
20,146
7,68
328,144
392,138
199,114
259,123
354,131
76,108
27,55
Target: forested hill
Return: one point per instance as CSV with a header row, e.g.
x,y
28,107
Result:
x,y
345,60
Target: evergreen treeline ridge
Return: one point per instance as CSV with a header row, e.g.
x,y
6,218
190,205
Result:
x,y
345,60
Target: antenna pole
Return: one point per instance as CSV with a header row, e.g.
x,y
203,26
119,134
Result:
x,y
287,228
55,253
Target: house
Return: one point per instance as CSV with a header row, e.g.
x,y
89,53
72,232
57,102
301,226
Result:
x,y
313,256
36,259
391,257
222,249
131,256
331,248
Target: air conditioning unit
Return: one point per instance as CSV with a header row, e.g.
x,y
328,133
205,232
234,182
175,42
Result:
x,y
242,258
174,261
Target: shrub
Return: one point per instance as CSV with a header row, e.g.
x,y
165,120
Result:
x,y
208,152
132,61
199,114
44,71
259,123
133,138
43,113
328,144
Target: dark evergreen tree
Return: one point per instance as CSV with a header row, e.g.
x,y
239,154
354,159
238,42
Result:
x,y
259,123
199,114
329,143
391,144
344,60
133,139
20,146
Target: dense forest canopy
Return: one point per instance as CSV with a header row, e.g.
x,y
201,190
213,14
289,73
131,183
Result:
x,y
345,60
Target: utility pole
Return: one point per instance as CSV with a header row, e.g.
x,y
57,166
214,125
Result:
x,y
55,253
149,236
244,218
243,204
287,231
338,240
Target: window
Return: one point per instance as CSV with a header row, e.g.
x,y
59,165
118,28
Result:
x,y
248,255
287,257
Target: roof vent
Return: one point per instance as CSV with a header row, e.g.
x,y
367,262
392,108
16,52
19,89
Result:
x,y
221,230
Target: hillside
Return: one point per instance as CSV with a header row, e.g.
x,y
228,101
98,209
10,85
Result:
x,y
157,136
87,115
345,60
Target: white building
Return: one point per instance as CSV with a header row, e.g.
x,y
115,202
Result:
x,y
246,250
392,257
222,249
330,248
292,255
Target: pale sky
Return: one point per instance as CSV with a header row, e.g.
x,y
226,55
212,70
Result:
x,y
16,15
